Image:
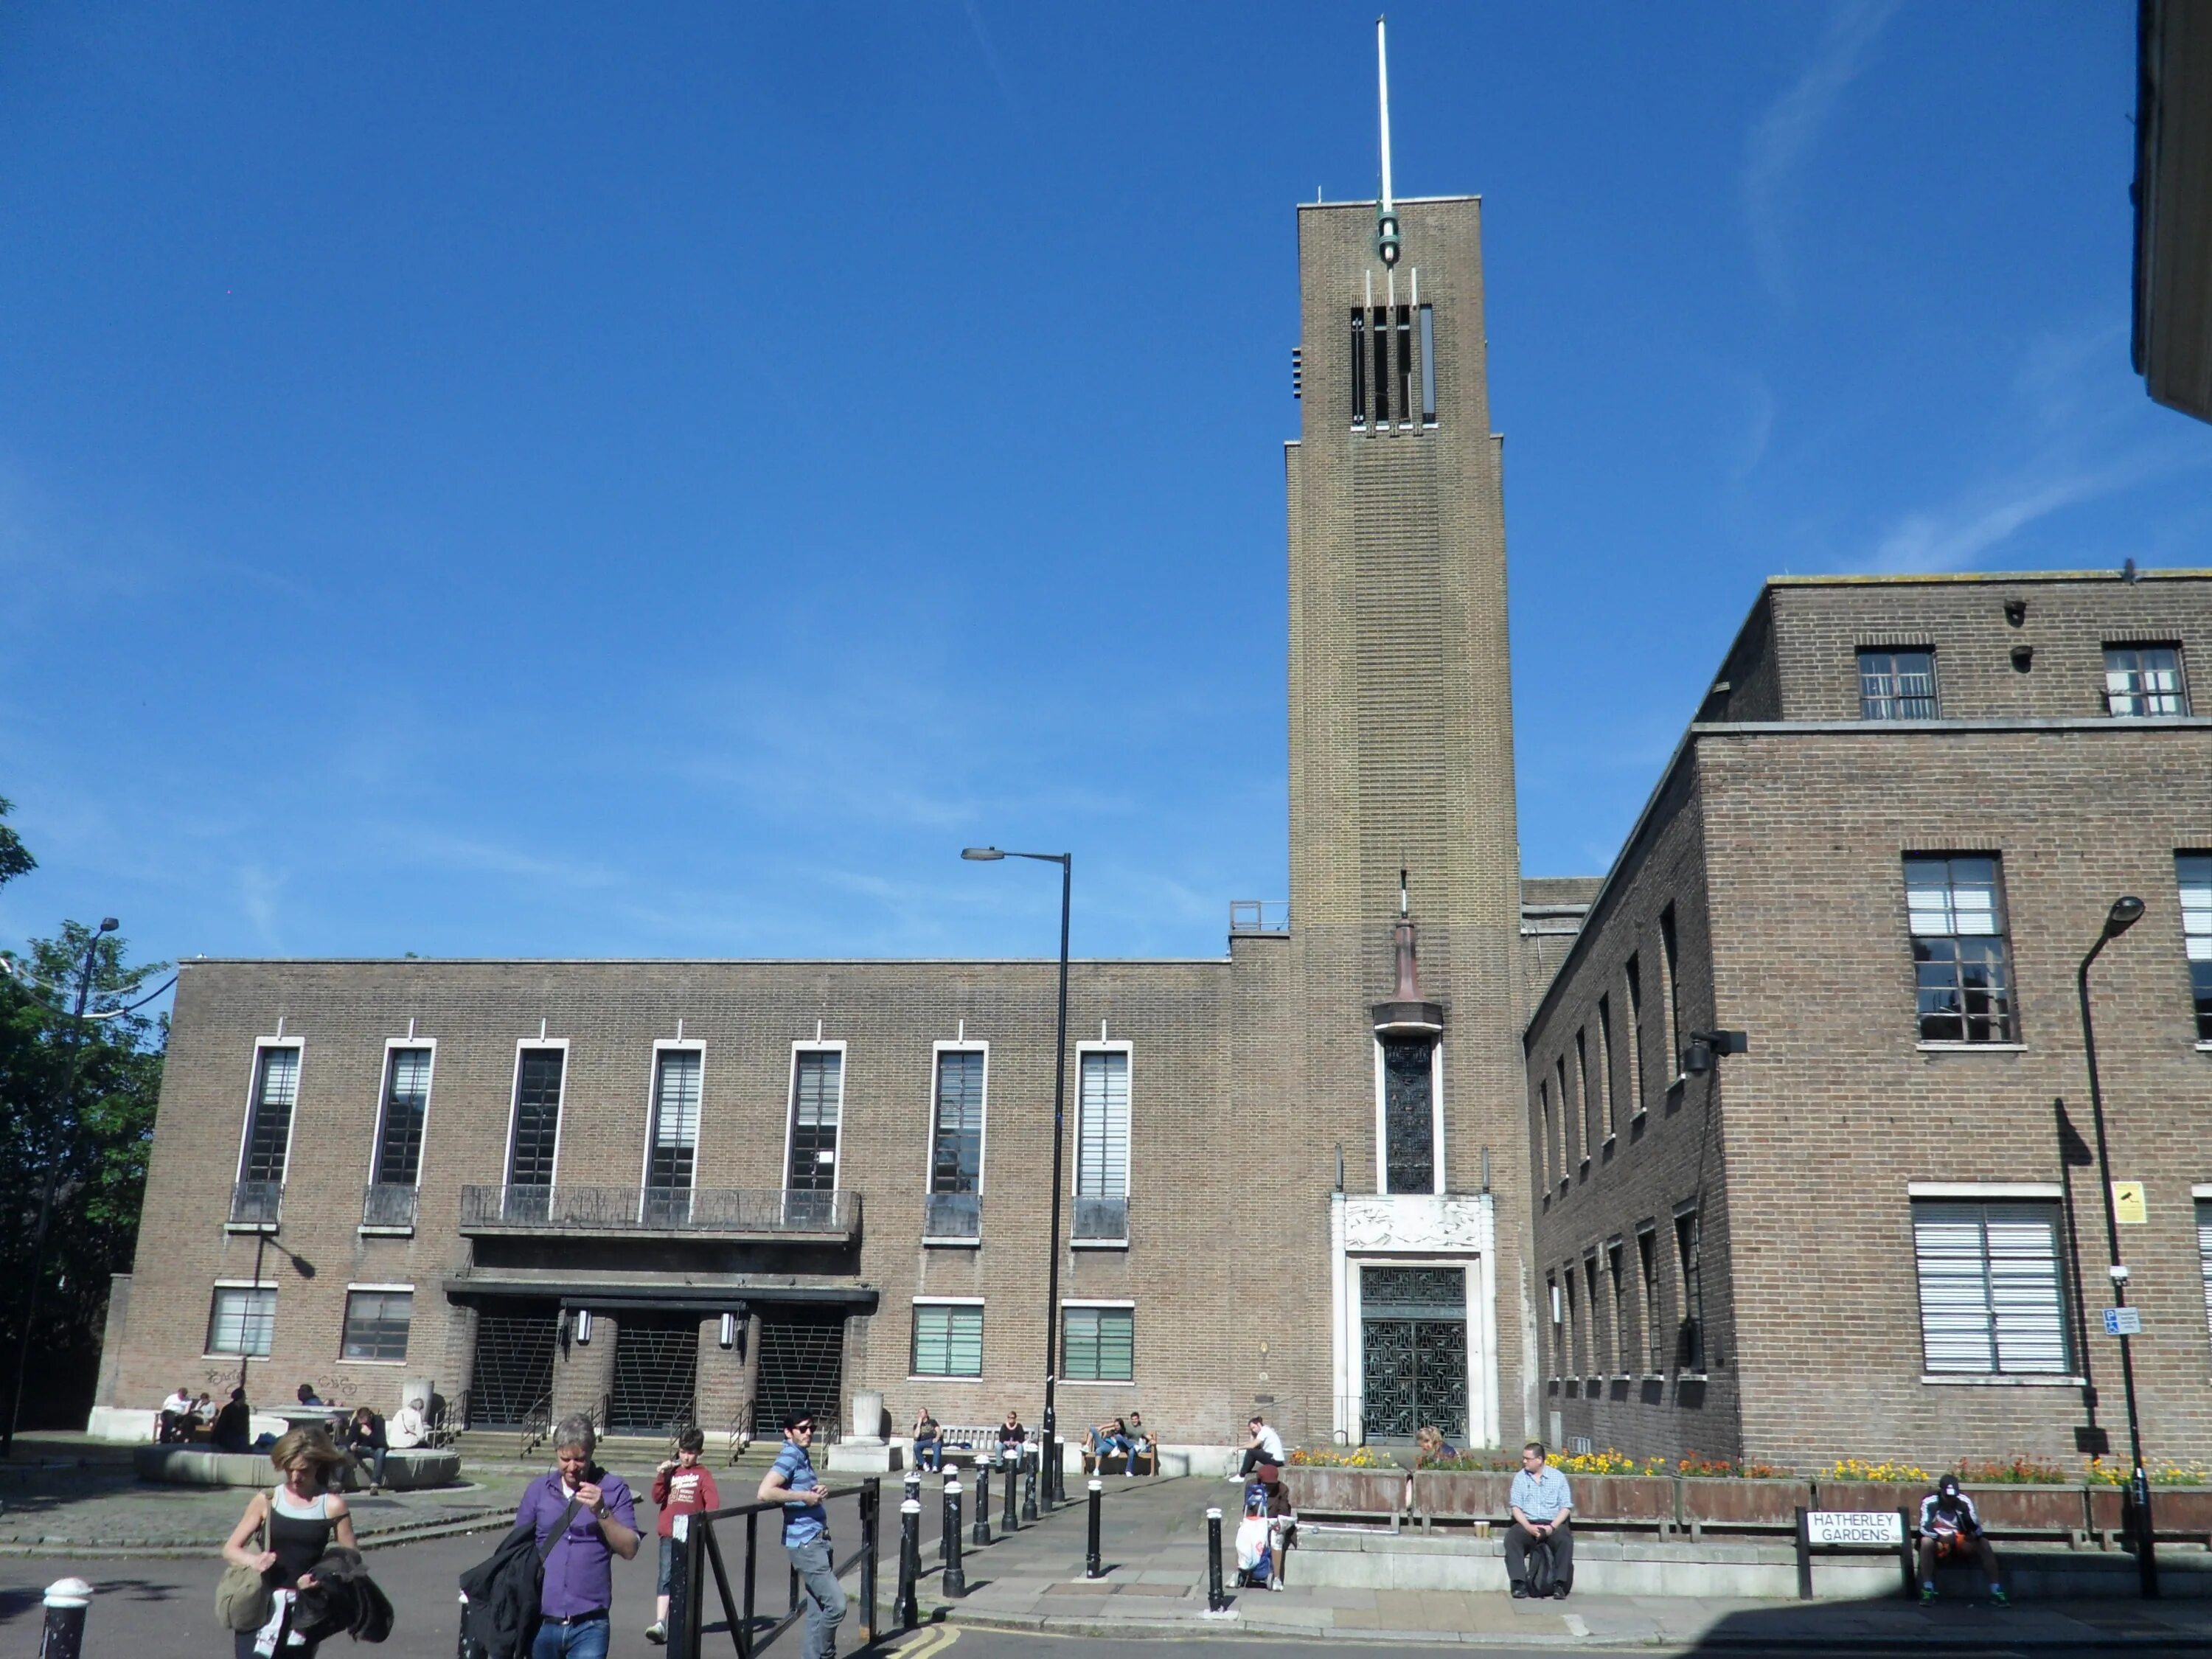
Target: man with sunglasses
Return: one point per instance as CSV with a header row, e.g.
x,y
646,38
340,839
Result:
x,y
791,1482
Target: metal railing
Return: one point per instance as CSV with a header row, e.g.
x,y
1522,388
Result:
x,y
1259,915
658,1209
256,1203
952,1215
1103,1220
699,1553
387,1203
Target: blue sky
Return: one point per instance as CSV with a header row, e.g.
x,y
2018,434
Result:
x,y
552,479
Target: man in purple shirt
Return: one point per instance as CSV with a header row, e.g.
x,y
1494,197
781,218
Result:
x,y
580,1583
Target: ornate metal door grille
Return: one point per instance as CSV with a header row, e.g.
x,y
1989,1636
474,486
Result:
x,y
802,1368
1413,1351
513,1373
656,1374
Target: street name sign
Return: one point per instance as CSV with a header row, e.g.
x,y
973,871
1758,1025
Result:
x,y
1880,1527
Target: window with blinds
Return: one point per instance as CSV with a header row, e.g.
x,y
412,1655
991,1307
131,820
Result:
x,y
269,1131
2193,872
1102,1142
537,1116
1647,1262
406,1109
948,1340
1962,961
1688,1247
240,1320
674,1152
1098,1344
956,1135
1992,1295
817,1098
376,1324
2204,1256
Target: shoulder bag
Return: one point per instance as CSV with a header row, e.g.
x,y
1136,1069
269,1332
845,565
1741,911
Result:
x,y
242,1600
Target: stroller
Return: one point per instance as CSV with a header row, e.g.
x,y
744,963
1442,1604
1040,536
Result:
x,y
1263,1536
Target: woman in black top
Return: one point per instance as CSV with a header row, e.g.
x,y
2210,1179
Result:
x,y
303,1519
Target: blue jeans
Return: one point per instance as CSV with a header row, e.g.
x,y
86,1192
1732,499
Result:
x,y
584,1641
825,1596
929,1455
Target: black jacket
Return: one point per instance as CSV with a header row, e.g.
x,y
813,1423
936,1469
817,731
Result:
x,y
502,1618
343,1598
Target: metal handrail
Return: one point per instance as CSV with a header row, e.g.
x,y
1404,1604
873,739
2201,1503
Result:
x,y
659,1209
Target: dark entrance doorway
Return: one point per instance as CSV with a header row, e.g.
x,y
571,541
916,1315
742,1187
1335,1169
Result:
x,y
802,1369
1413,1351
512,1375
656,1373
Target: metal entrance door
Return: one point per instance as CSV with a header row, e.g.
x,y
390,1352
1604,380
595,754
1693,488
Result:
x,y
656,1374
1413,1351
512,1375
802,1369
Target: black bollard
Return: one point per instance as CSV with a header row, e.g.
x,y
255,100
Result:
x,y
1029,1455
905,1610
982,1532
1092,1567
1056,1476
67,1600
1007,1462
1215,1601
955,1581
682,1642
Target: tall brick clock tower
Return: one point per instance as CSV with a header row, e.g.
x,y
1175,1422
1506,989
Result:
x,y
1401,761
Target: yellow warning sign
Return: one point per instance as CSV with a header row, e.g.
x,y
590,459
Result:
x,y
2129,1207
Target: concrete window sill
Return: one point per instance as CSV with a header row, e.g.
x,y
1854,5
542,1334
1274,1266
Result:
x,y
1096,1244
1976,1380
955,1243
385,1232
1971,1048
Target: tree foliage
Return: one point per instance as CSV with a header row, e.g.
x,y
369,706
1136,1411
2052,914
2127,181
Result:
x,y
79,1096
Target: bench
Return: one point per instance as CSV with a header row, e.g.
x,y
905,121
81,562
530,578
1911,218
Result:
x,y
968,1442
1146,1462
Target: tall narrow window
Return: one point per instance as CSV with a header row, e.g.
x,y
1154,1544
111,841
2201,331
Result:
x,y
1605,1067
2204,1253
406,1108
269,1131
2194,872
241,1319
817,1098
1409,1115
1098,1344
1558,1324
1991,1299
1574,1350
1102,1148
1647,1264
1566,1121
1588,1080
1897,685
1597,1348
1636,1082
1428,365
1379,328
1543,1102
673,1156
1617,1276
1358,366
1960,954
956,1157
1404,363
2144,679
1686,1247
537,1117
948,1339
1671,965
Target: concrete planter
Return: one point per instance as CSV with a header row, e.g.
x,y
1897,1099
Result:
x,y
1463,1495
2177,1511
1870,1494
1324,1491
2059,1510
1723,1504
1638,1500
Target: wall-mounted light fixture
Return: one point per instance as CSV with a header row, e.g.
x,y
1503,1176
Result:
x,y
582,1327
728,1336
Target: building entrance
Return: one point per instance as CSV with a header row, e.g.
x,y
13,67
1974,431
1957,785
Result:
x,y
512,1374
656,1374
802,1369
1413,1352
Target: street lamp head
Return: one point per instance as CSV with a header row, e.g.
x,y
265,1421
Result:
x,y
2126,913
981,855
108,924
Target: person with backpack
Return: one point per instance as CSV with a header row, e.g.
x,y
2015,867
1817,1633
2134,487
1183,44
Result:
x,y
791,1482
680,1487
1541,1505
579,1518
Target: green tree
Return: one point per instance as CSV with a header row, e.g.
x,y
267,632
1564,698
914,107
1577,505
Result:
x,y
79,1096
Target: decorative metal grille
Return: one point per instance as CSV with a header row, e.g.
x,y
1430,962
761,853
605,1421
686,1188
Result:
x,y
513,1372
1413,1349
1408,1117
656,1374
802,1369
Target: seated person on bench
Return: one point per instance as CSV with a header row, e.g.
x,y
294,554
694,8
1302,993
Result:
x,y
1951,1530
928,1444
1541,1505
1141,1445
1107,1438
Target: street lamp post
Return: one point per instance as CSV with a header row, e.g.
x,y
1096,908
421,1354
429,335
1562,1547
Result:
x,y
2124,914
1045,1449
63,1102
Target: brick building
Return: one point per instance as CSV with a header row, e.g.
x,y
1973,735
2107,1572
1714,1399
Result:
x,y
1881,850
718,1189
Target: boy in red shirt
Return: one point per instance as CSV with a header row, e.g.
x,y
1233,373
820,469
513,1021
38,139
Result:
x,y
680,1487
